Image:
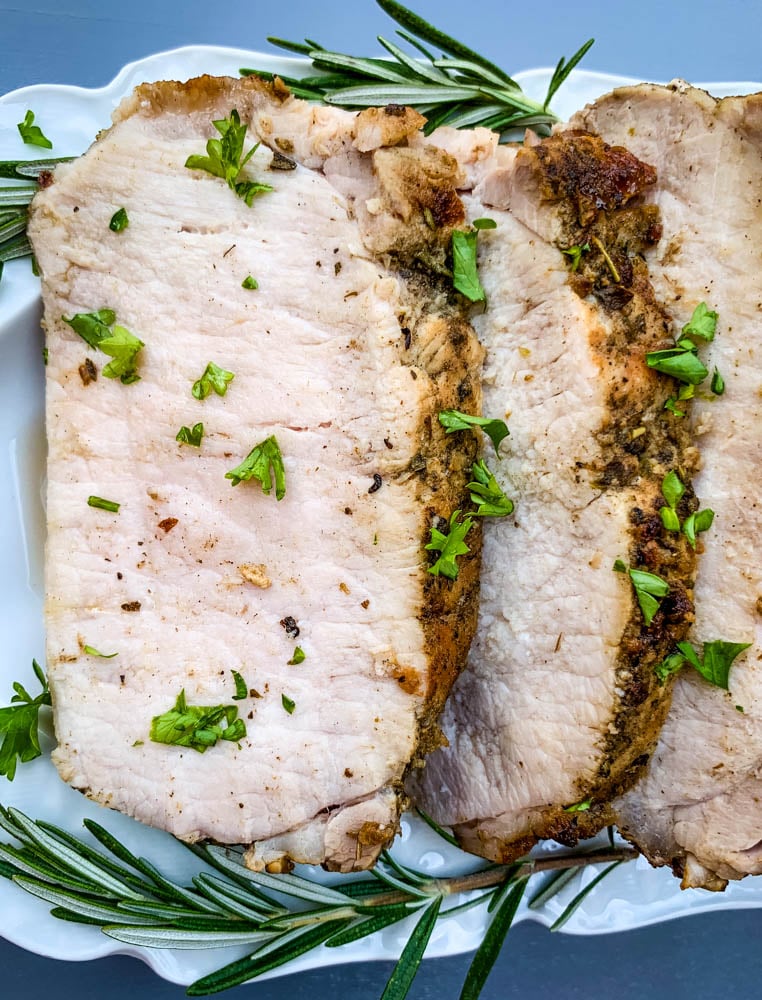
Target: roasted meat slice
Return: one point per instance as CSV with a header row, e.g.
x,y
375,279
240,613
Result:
x,y
559,704
314,616
698,808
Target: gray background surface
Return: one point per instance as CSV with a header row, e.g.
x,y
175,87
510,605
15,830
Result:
x,y
86,42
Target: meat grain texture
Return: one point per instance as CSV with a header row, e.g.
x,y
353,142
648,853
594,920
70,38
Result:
x,y
559,705
345,353
699,807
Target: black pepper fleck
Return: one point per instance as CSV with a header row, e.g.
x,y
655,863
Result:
x,y
289,624
376,483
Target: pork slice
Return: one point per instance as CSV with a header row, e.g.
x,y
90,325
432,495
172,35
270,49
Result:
x,y
559,704
698,807
344,355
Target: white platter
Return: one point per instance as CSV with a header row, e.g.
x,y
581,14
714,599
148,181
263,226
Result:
x,y
633,896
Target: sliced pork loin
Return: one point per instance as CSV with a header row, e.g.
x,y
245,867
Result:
x,y
559,704
699,807
345,353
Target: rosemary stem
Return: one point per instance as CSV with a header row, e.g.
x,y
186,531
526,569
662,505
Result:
x,y
491,877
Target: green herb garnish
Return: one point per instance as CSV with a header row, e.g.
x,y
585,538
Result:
x,y
575,254
672,490
682,361
250,283
649,589
718,383
264,460
459,88
225,158
91,651
98,502
299,657
32,134
579,807
19,725
487,494
714,666
215,378
453,420
702,323
197,727
465,276
450,546
188,435
241,689
695,523
119,221
288,704
97,329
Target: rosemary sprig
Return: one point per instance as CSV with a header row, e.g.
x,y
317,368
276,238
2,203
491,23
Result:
x,y
459,88
133,902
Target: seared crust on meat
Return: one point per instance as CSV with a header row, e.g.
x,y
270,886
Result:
x,y
371,231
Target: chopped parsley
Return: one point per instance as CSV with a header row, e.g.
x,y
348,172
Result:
x,y
465,276
694,523
215,378
714,666
682,361
91,651
299,657
649,589
450,546
19,725
264,460
97,329
119,221
453,420
250,282
672,489
718,383
241,690
224,158
487,494
197,727
32,134
287,703
579,807
188,435
98,502
575,254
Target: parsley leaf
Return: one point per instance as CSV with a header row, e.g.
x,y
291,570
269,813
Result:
x,y
672,489
465,276
250,283
680,362
241,690
98,331
694,523
715,665
92,327
119,221
123,347
718,383
702,323
579,807
19,725
195,726
487,494
187,435
262,461
575,254
287,703
649,589
91,651
299,657
225,158
215,378
449,546
454,420
32,134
